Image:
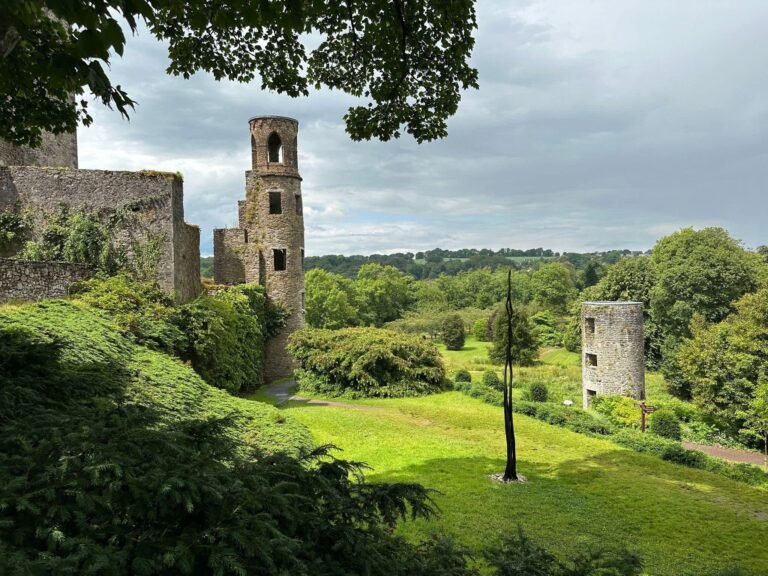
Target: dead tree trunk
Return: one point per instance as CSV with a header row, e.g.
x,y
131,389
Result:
x,y
510,472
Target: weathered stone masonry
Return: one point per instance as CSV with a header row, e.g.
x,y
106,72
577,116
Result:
x,y
613,361
25,280
267,247
152,204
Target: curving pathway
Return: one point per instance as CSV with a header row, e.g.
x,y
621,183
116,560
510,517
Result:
x,y
283,392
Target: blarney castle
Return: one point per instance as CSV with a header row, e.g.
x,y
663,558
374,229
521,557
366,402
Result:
x,y
267,247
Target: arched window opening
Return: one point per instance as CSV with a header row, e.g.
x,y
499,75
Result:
x,y
275,149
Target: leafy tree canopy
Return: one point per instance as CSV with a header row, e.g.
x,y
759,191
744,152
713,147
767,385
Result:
x,y
330,300
700,272
407,61
723,363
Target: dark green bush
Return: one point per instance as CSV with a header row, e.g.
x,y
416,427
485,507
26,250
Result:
x,y
226,334
366,362
462,376
452,332
492,380
664,423
538,392
143,311
524,345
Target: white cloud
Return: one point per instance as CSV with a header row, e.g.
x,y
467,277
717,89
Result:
x,y
597,125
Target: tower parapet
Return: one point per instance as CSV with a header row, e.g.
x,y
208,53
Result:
x,y
613,361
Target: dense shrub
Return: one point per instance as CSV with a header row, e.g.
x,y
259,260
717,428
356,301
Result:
x,y
479,329
492,380
143,311
366,362
225,337
664,423
538,392
463,376
452,332
620,410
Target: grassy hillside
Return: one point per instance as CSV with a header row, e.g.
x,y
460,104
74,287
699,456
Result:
x,y
580,490
87,343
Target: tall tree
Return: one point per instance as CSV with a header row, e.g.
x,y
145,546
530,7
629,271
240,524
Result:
x,y
407,61
510,471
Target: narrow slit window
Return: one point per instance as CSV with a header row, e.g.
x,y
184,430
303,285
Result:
x,y
302,302
245,236
279,256
299,204
302,257
275,203
591,359
275,149
590,325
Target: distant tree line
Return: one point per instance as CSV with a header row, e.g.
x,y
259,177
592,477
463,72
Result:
x,y
434,263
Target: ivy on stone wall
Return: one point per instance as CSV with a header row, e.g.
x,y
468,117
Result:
x,y
13,227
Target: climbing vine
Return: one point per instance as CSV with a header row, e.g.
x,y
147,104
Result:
x,y
13,227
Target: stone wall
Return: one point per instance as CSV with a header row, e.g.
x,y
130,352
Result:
x,y
56,150
236,259
613,360
26,280
150,205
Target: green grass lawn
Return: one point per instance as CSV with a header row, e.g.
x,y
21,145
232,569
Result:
x,y
559,369
580,490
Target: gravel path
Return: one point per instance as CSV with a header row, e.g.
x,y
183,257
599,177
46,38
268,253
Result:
x,y
283,392
728,453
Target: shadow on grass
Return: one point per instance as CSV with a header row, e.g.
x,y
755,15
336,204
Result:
x,y
675,517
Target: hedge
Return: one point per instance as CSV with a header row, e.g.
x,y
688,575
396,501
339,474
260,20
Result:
x,y
366,362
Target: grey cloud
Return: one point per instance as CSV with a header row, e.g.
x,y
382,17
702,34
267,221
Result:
x,y
596,126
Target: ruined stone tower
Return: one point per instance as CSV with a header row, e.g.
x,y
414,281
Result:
x,y
268,245
612,346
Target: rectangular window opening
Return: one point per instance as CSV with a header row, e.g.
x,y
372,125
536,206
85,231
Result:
x,y
275,203
590,359
245,236
590,325
299,204
279,256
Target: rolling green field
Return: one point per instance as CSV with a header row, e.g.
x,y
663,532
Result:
x,y
580,490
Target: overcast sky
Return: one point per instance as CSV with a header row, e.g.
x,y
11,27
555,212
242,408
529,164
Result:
x,y
598,124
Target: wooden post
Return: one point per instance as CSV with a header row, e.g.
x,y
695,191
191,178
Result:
x,y
644,409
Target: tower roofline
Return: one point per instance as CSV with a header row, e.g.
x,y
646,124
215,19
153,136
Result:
x,y
268,117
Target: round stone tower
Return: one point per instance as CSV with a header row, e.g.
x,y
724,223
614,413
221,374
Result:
x,y
612,343
273,211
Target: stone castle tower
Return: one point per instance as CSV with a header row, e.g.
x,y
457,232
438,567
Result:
x,y
267,247
613,349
